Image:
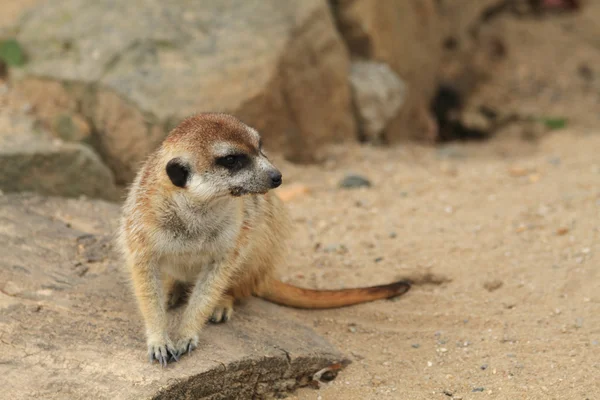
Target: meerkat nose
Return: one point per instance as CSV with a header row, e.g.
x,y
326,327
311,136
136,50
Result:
x,y
275,178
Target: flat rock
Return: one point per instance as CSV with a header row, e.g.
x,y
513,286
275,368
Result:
x,y
32,160
279,66
69,327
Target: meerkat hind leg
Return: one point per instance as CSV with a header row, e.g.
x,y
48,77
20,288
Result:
x,y
223,311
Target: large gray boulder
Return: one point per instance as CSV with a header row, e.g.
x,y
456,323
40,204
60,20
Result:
x,y
136,68
69,327
32,160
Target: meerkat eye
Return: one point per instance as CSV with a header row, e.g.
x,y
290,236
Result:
x,y
178,172
233,161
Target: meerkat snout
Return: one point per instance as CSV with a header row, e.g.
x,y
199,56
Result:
x,y
276,178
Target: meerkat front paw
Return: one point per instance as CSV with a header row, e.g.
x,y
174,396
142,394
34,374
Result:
x,y
162,350
186,344
223,311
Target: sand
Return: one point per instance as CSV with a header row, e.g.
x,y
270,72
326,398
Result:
x,y
505,248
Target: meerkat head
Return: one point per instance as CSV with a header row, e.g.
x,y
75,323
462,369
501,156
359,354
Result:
x,y
214,155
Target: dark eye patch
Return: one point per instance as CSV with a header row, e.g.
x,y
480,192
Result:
x,y
178,172
233,162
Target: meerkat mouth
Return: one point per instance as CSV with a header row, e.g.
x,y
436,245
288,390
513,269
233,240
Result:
x,y
239,191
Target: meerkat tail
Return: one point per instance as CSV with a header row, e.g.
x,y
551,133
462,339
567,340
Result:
x,y
287,295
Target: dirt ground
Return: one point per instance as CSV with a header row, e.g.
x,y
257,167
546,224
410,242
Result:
x,y
501,238
505,248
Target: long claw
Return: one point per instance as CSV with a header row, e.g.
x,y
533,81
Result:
x,y
174,355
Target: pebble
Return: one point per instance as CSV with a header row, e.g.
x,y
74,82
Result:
x,y
562,231
393,235
484,367
415,345
354,181
290,192
554,160
451,152
585,72
495,284
517,171
533,178
478,389
378,259
336,248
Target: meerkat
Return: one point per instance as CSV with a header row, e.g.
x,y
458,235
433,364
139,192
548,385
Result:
x,y
200,213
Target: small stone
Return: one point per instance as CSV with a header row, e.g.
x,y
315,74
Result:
x,y
336,248
448,169
493,285
354,181
554,160
533,178
429,364
450,151
393,235
415,345
377,380
562,231
585,72
290,192
442,350
378,259
517,171
478,389
484,367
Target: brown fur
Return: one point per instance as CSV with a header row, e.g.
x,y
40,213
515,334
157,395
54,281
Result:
x,y
202,242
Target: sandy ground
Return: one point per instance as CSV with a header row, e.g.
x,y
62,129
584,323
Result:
x,y
510,241
502,238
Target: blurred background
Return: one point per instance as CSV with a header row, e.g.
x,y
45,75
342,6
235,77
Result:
x,y
453,142
109,79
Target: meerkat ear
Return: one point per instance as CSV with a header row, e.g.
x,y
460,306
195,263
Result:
x,y
178,172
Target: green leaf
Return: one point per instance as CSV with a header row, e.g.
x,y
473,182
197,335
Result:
x,y
11,53
555,123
